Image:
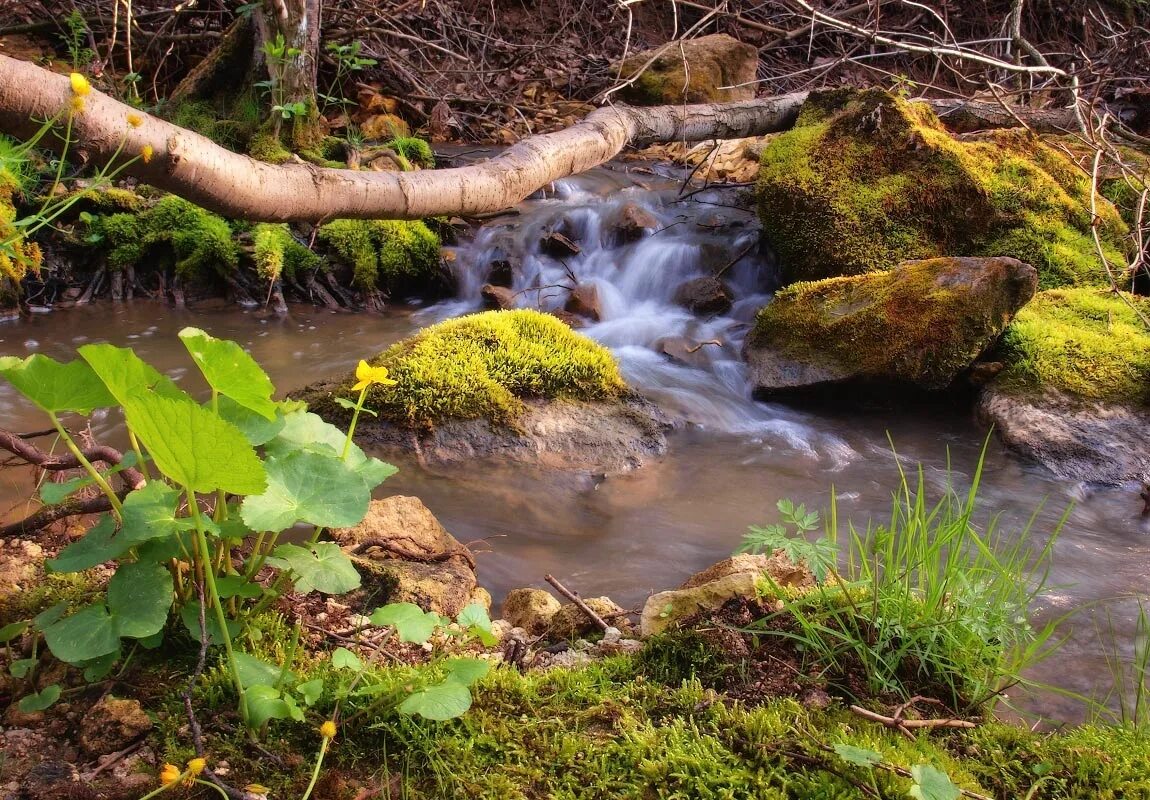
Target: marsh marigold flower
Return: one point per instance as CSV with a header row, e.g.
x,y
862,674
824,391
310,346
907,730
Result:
x,y
327,730
196,765
170,774
80,85
366,375
146,153
134,119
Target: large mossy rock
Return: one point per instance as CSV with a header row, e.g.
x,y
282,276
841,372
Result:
x,y
866,180
1074,393
693,71
516,385
921,323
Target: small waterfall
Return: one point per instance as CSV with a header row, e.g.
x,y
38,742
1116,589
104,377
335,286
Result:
x,y
634,247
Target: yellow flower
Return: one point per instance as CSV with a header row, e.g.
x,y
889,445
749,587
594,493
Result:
x,y
327,730
170,774
146,153
80,85
77,105
366,375
134,119
196,765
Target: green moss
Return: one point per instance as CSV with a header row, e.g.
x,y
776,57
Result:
x,y
484,365
1088,343
267,147
212,120
384,253
18,257
923,322
195,241
278,253
608,731
414,150
866,180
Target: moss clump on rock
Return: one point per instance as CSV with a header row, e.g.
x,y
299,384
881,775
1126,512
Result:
x,y
1087,343
196,241
865,180
921,323
384,253
413,150
278,253
710,69
484,366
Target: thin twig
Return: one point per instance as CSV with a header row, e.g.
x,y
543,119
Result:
x,y
577,600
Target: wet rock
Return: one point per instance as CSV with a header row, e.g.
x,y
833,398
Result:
x,y
693,71
558,245
406,556
112,724
710,589
633,223
530,609
572,436
1074,390
984,372
584,302
569,319
686,351
921,324
1077,439
570,622
502,273
497,297
705,296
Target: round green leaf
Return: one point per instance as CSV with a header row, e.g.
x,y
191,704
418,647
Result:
x,y
307,487
231,371
57,387
140,597
87,634
443,701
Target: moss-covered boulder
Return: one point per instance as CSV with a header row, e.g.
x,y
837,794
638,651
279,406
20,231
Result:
x,y
693,71
1074,393
865,180
518,385
921,323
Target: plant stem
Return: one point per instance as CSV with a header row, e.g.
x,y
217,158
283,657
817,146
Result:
x,y
214,596
354,420
117,506
315,771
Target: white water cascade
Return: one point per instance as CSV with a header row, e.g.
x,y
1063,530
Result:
x,y
687,363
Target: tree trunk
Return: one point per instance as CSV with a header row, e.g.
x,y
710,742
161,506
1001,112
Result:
x,y
287,33
234,185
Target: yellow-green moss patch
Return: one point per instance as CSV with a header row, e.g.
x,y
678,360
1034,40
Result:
x,y
195,241
1085,342
278,253
384,253
485,365
18,257
922,323
866,180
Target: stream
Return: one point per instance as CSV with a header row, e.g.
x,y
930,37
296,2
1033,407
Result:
x,y
730,459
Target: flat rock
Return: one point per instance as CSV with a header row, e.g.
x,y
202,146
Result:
x,y
710,589
570,436
112,724
1076,439
707,295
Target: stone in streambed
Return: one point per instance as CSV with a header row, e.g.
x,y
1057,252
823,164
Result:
x,y
920,324
710,69
735,577
499,298
584,301
706,296
530,609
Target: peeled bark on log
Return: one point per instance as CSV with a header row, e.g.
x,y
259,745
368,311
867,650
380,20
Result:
x,y
201,171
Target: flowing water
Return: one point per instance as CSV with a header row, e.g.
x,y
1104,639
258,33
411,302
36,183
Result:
x,y
730,459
